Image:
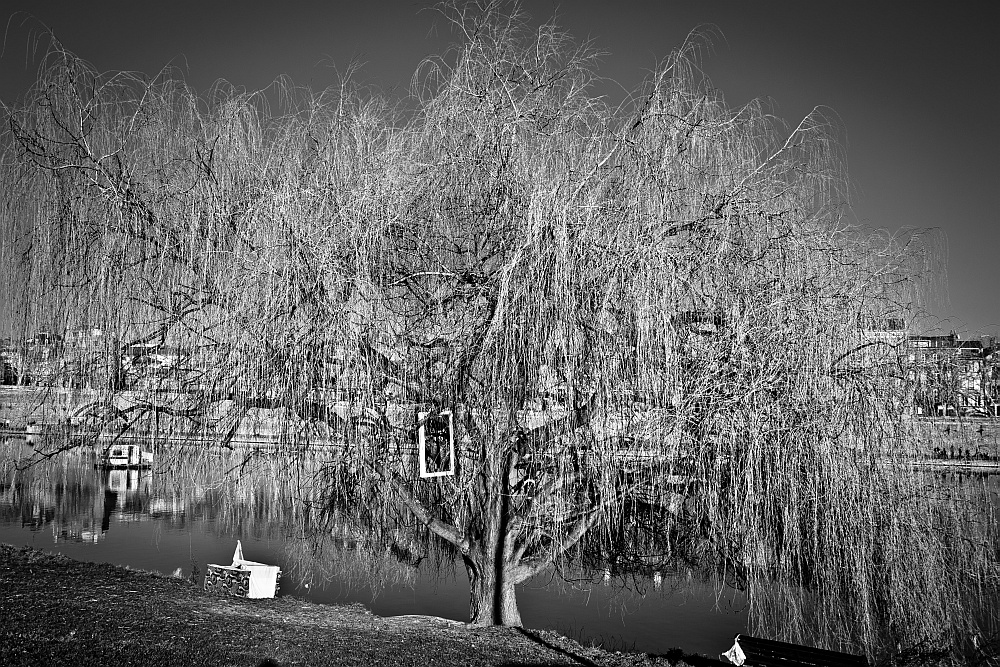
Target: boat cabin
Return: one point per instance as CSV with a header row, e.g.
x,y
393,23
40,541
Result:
x,y
125,456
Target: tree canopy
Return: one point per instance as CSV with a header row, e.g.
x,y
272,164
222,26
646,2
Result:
x,y
647,321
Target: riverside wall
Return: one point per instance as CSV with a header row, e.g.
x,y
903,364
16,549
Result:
x,y
950,437
20,406
975,438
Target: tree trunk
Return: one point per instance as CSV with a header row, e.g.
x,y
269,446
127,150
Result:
x,y
491,586
491,562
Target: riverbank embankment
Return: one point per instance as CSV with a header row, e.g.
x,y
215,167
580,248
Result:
x,y
957,439
29,410
58,611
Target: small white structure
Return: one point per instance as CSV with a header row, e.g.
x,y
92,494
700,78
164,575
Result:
x,y
126,456
244,578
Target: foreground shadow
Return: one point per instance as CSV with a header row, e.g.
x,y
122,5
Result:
x,y
552,647
674,656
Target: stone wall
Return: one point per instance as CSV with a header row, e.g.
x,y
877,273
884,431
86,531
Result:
x,y
20,406
953,437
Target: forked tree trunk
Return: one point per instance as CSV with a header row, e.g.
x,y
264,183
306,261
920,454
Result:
x,y
491,586
490,561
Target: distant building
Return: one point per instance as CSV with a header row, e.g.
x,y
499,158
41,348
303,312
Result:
x,y
952,377
889,330
8,372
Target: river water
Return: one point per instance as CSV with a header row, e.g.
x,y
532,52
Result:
x,y
189,511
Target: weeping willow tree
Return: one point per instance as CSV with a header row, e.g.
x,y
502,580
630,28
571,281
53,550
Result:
x,y
660,305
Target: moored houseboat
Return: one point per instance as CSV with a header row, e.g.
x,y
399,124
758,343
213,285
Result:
x,y
120,455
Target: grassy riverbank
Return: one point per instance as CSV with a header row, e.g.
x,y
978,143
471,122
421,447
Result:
x,y
57,611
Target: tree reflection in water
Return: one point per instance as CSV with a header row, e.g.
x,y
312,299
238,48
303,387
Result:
x,y
276,497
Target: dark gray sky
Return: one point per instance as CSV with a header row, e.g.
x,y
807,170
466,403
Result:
x,y
914,88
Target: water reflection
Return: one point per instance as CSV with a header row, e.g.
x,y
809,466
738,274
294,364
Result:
x,y
191,507
75,503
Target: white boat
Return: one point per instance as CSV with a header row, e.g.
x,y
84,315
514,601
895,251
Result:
x,y
125,456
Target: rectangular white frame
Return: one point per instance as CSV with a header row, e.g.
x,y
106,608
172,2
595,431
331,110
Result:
x,y
422,445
